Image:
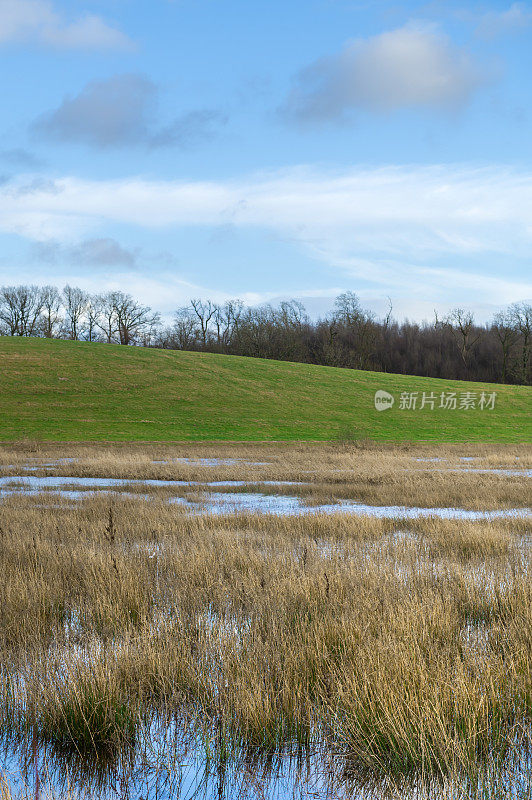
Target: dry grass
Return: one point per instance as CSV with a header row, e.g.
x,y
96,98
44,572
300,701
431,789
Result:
x,y
404,649
374,474
5,791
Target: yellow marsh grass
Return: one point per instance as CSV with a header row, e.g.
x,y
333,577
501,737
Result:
x,y
6,793
406,650
375,474
403,646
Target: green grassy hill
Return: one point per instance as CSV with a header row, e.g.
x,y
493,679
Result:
x,y
77,391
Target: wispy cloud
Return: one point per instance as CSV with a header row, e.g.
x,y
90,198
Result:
x,y
97,252
392,227
21,158
38,21
188,129
120,111
514,18
424,209
411,67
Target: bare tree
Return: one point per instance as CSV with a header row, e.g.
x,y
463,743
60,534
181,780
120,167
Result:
x,y
466,335
107,320
292,314
134,321
10,313
232,314
507,335
75,301
185,329
51,317
93,313
289,320
204,311
219,326
359,325
226,319
387,321
20,309
347,309
521,315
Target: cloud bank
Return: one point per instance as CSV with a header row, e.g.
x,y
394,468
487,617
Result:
x,y
404,228
419,209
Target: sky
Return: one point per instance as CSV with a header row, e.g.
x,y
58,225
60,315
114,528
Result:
x,y
267,150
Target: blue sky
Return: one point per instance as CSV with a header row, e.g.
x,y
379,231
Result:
x,y
266,150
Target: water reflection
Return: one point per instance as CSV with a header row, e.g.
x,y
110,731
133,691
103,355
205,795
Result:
x,y
176,759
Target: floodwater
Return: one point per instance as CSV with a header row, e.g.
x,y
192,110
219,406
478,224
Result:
x,y
170,762
31,484
514,473
258,503
220,502
214,462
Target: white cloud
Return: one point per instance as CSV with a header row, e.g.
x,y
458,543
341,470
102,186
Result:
x,y
411,67
395,209
393,227
494,23
38,21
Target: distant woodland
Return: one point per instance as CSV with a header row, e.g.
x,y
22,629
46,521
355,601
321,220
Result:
x,y
453,347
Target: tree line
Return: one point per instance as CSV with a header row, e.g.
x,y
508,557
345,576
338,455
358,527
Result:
x,y
113,317
453,347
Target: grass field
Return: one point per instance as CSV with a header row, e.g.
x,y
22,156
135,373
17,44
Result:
x,y
75,391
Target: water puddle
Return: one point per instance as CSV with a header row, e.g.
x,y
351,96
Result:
x,y
285,505
515,473
37,464
72,488
440,458
214,462
34,485
169,763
